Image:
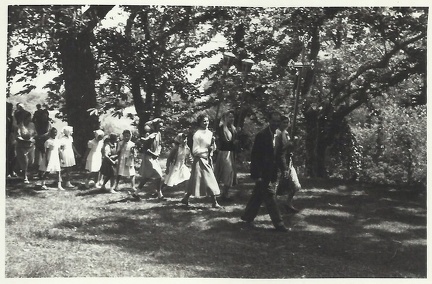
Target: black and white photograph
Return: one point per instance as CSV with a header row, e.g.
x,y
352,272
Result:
x,y
215,141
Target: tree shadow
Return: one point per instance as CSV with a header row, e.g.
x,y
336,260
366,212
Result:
x,y
342,230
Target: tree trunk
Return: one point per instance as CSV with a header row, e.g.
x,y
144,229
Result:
x,y
316,145
139,103
322,128
79,77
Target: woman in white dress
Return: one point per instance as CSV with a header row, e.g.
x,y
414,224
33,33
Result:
x,y
178,162
52,158
94,156
202,180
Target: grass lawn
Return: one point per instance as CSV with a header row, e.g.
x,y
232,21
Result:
x,y
343,230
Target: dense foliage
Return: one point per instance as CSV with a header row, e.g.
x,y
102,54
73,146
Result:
x,y
369,65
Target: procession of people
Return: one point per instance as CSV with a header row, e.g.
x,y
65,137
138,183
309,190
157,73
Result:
x,y
201,162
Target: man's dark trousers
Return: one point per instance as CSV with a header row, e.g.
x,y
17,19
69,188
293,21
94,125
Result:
x,y
264,191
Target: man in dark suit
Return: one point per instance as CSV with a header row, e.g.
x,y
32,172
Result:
x,y
264,171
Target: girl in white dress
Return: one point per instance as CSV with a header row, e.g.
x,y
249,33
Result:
x,y
178,162
126,159
52,158
94,156
67,152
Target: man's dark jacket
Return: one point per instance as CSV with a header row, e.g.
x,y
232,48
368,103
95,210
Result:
x,y
263,162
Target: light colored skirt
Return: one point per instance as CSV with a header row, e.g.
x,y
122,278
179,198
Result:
x,y
177,174
94,161
53,163
288,185
68,158
126,167
202,181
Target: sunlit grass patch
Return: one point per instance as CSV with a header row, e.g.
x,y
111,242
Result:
x,y
392,226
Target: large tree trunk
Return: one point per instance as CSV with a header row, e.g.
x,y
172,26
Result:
x,y
79,76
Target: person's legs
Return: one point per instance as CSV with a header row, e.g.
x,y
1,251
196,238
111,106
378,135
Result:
x,y
107,178
294,187
133,183
269,196
43,178
215,203
99,180
142,183
159,184
91,175
225,192
112,182
67,177
117,182
254,203
185,199
59,185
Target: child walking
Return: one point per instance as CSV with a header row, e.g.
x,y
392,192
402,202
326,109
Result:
x,y
94,156
67,152
52,158
109,163
150,166
178,162
126,157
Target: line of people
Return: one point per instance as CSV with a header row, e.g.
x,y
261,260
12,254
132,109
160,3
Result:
x,y
190,162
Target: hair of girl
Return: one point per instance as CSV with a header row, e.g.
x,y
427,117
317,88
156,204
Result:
x,y
67,130
201,117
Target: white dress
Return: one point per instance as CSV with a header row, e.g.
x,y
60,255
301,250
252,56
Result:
x,y
67,153
126,163
178,171
94,158
53,145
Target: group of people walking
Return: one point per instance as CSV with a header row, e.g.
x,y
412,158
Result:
x,y
190,161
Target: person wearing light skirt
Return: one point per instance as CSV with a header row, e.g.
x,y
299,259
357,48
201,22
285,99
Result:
x,y
52,158
178,163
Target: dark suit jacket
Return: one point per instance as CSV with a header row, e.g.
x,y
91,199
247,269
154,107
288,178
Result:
x,y
263,161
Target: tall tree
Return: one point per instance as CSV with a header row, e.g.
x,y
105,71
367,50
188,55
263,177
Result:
x,y
59,38
358,52
157,49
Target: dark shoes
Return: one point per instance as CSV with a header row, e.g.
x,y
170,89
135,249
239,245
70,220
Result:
x,y
247,223
281,229
226,199
291,209
185,201
136,197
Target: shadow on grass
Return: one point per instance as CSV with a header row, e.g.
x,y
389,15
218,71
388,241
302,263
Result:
x,y
342,230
